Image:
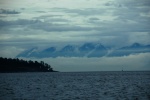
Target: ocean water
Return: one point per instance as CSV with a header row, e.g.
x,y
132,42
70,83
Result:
x,y
75,86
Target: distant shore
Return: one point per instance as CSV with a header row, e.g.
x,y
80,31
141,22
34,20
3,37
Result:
x,y
9,65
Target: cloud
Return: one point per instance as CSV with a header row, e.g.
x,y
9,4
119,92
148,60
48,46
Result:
x,y
113,4
129,63
94,18
48,16
6,11
41,11
22,22
24,31
137,3
46,26
52,19
83,12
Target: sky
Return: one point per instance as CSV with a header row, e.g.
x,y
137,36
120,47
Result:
x,y
42,23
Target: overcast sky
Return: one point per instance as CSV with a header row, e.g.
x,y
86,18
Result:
x,y
29,23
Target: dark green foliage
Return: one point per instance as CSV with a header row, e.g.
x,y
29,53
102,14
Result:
x,y
17,65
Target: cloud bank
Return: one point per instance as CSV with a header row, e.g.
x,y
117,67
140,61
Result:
x,y
139,62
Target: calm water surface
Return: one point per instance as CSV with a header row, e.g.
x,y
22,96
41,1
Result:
x,y
75,86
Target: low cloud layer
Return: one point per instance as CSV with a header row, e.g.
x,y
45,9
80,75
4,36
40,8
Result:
x,y
139,62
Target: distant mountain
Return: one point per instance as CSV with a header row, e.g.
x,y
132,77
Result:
x,y
132,49
68,51
99,51
49,52
93,50
85,50
29,53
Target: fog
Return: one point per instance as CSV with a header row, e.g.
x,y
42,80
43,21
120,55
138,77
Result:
x,y
138,62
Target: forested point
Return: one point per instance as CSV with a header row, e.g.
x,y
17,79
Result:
x,y
19,65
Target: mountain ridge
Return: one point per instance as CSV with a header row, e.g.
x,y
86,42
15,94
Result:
x,y
86,50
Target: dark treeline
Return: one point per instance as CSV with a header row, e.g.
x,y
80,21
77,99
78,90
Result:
x,y
19,65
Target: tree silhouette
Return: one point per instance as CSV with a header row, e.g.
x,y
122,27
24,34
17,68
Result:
x,y
19,65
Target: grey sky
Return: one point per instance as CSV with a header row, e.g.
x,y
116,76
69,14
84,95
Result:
x,y
29,23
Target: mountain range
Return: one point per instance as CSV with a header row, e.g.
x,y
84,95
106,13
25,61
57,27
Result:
x,y
85,50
